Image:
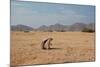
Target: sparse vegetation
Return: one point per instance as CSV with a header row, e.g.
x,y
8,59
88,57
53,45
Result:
x,y
50,30
63,30
88,30
26,31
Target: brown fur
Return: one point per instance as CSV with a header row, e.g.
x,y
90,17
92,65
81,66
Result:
x,y
46,43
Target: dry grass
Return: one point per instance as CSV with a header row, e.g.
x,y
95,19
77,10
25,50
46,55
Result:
x,y
67,47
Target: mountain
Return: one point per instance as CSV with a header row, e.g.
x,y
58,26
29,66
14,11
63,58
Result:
x,y
21,28
42,28
77,27
91,26
58,27
73,27
55,27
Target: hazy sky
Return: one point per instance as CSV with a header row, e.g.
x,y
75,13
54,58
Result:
x,y
36,14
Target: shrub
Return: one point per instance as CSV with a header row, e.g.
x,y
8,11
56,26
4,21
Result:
x,y
88,30
26,31
63,31
50,30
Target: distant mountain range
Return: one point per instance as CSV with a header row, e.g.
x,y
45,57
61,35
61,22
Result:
x,y
55,27
21,28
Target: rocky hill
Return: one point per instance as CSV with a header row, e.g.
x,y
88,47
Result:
x,y
55,27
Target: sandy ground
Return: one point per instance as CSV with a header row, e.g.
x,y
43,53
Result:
x,y
67,47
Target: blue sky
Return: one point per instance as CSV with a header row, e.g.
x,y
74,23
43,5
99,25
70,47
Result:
x,y
35,14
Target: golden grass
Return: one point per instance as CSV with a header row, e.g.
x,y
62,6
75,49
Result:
x,y
67,47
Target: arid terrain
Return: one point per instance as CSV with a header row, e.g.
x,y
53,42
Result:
x,y
67,47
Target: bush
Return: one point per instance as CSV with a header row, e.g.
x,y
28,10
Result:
x,y
63,31
50,30
88,30
26,31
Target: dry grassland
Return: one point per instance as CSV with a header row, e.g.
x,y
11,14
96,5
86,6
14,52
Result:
x,y
67,47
